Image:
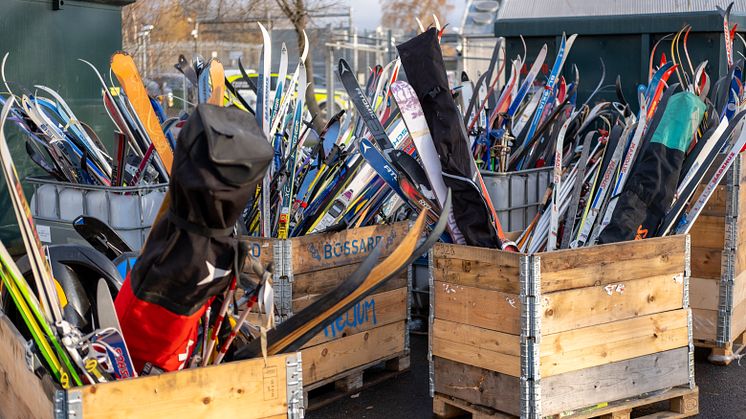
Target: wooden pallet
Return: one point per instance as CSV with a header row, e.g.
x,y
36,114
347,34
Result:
x,y
353,381
677,403
723,355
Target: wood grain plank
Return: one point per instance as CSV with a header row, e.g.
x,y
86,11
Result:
x,y
611,263
616,381
706,262
477,267
740,257
704,293
375,311
483,348
482,358
704,324
477,385
315,252
331,358
256,389
260,248
738,320
22,394
612,342
582,307
709,232
487,309
477,337
307,288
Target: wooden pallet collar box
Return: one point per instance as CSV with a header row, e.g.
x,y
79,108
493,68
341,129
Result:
x,y
537,335
718,285
306,267
251,389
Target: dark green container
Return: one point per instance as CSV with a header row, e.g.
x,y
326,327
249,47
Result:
x,y
44,46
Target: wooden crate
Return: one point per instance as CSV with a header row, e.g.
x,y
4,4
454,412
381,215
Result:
x,y
718,283
374,331
249,389
539,335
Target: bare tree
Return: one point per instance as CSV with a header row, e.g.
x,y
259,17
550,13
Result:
x,y
220,21
174,24
401,14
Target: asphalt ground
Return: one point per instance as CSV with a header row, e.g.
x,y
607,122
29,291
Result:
x,y
722,392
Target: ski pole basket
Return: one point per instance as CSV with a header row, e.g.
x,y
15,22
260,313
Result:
x,y
130,211
373,333
517,196
551,333
718,287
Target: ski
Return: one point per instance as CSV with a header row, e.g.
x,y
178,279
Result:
x,y
414,118
123,67
295,143
102,237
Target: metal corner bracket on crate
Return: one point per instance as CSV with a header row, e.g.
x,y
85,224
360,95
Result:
x,y
530,278
685,304
282,277
430,320
294,371
68,404
728,261
410,287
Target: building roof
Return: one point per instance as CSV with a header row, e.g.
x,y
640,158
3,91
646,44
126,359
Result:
x,y
533,9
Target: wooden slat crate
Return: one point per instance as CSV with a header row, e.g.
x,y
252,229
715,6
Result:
x,y
374,331
249,389
539,335
718,284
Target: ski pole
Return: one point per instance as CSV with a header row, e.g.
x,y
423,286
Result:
x,y
266,279
219,320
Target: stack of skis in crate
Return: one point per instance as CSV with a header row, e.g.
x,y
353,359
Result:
x,y
617,174
402,151
186,301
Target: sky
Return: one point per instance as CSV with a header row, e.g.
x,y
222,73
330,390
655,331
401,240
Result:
x,y
366,14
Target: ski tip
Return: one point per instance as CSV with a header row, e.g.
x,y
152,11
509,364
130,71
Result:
x,y
304,55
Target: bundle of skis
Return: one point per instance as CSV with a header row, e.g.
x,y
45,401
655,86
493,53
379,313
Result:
x,y
617,175
72,348
69,150
374,164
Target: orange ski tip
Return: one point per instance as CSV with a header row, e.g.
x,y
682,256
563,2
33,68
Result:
x,y
119,54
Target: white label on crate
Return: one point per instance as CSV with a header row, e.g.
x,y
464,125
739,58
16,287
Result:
x,y
44,232
611,288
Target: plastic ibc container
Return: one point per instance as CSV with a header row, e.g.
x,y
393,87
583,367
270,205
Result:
x,y
44,201
97,204
130,211
72,203
517,196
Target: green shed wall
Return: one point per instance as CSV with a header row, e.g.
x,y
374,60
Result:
x,y
624,43
44,47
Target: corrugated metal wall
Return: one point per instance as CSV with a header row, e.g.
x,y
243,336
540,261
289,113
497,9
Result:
x,y
44,46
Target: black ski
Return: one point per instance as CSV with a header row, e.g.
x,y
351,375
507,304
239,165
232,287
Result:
x,y
102,237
